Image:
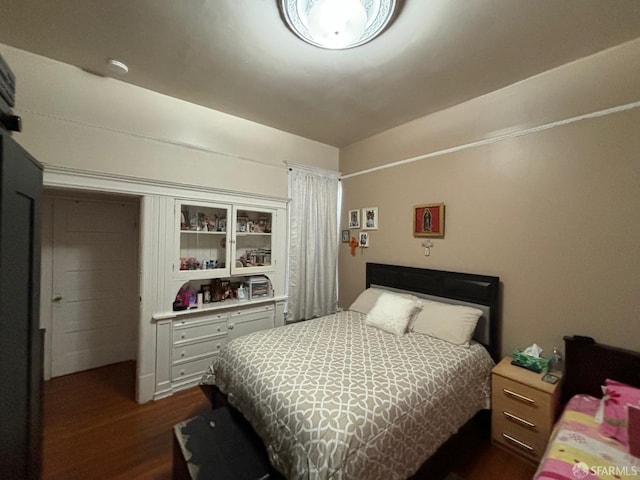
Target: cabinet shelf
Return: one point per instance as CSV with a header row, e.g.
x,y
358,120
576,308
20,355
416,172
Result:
x,y
202,232
212,307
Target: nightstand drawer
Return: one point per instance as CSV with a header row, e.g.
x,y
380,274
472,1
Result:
x,y
516,439
517,393
520,404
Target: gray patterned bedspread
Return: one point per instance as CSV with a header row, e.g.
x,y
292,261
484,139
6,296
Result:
x,y
333,398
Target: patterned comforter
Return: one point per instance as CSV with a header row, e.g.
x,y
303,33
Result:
x,y
333,398
577,450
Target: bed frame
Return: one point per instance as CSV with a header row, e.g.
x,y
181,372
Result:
x,y
462,287
588,364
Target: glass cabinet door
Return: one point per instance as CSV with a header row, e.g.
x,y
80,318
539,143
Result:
x,y
202,236
252,241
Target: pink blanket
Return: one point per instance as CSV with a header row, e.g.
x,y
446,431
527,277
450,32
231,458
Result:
x,y
577,450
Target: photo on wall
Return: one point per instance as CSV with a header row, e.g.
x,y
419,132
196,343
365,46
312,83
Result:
x,y
364,240
370,218
354,218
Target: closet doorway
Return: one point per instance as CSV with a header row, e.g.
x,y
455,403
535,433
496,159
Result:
x,y
90,287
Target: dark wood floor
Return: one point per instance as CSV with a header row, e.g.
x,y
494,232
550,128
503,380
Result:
x,y
93,428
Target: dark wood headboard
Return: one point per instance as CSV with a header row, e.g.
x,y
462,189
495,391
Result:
x,y
465,287
588,364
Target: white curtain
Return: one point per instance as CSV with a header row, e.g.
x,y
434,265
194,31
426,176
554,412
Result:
x,y
313,244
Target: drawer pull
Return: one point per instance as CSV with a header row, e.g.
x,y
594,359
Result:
x,y
183,336
517,396
518,442
522,421
182,354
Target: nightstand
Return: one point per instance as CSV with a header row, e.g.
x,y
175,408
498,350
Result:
x,y
523,409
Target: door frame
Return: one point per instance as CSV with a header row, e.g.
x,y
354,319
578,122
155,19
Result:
x,y
47,263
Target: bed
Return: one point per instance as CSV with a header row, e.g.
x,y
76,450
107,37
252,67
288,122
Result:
x,y
577,448
335,398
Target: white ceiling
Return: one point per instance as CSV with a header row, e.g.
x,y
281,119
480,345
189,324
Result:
x,y
237,56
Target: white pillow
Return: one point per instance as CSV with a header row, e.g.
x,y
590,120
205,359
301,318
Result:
x,y
453,323
392,313
366,300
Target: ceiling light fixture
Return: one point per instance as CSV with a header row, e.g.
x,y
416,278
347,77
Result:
x,y
338,24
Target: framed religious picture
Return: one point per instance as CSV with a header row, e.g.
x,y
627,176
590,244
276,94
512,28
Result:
x,y
354,218
345,236
370,218
428,220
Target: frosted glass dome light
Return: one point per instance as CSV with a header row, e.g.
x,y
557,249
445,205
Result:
x,y
337,24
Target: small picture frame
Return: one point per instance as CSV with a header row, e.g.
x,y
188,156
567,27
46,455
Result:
x,y
428,220
345,236
222,225
354,218
206,293
241,225
363,240
370,218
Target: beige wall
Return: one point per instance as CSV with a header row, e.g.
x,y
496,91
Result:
x,y
553,213
79,120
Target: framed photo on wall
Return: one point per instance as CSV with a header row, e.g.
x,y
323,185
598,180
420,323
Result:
x,y
428,220
354,218
370,218
345,236
363,240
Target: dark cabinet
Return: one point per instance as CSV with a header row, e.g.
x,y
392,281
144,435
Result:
x,y
20,338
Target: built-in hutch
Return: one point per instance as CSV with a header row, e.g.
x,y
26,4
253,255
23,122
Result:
x,y
225,278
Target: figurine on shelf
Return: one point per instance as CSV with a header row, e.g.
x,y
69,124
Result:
x,y
184,298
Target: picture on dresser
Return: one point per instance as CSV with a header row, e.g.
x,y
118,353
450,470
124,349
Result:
x,y
206,293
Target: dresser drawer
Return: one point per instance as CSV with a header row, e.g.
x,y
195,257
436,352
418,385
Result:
x,y
253,312
187,321
190,369
197,331
187,352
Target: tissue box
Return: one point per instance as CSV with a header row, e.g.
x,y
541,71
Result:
x,y
535,364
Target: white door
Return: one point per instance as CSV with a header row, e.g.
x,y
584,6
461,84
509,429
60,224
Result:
x,y
95,284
